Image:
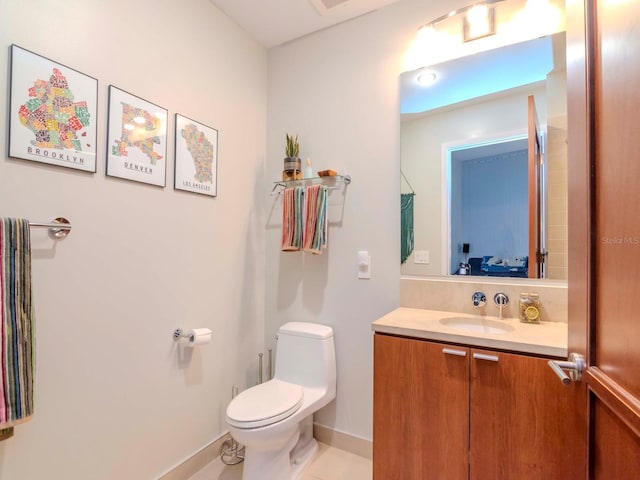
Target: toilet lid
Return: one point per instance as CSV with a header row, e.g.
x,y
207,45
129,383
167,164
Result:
x,y
264,404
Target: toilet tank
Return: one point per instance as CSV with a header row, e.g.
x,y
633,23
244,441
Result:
x,y
305,355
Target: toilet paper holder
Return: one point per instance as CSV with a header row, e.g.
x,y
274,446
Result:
x,y
179,333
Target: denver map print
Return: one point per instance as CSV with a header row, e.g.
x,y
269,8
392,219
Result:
x,y
137,139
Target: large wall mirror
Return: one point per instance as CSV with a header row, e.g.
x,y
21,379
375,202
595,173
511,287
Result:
x,y
483,164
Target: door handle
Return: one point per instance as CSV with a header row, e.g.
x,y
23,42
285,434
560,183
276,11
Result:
x,y
575,365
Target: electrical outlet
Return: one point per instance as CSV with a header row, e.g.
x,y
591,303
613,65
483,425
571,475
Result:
x,y
421,256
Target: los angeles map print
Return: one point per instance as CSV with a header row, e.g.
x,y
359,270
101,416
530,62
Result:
x,y
196,158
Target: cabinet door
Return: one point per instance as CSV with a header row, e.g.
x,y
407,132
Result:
x,y
520,424
420,409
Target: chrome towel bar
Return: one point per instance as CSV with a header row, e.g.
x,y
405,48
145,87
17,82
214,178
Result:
x,y
58,228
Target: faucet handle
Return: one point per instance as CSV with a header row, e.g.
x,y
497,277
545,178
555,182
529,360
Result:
x,y
479,299
501,299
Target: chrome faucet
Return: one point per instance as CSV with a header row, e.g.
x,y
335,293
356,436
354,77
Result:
x,y
501,300
479,299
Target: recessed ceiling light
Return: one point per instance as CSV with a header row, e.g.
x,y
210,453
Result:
x,y
426,78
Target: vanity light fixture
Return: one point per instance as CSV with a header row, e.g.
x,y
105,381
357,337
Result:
x,y
479,20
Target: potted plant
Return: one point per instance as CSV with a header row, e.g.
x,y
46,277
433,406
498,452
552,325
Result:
x,y
292,164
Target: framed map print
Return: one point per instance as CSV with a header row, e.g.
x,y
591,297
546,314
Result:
x,y
136,139
52,113
196,157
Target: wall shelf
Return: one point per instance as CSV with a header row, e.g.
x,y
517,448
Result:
x,y
333,182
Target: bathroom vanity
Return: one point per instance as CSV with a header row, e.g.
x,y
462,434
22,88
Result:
x,y
469,397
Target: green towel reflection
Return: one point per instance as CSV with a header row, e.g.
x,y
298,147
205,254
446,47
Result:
x,y
406,226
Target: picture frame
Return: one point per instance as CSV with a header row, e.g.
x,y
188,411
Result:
x,y
136,139
196,157
53,112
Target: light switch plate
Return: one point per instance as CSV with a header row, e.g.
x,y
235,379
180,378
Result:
x,y
421,256
364,264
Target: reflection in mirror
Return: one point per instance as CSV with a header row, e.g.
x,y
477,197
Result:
x,y
478,197
489,181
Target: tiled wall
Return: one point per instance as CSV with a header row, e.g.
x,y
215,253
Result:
x,y
557,198
452,294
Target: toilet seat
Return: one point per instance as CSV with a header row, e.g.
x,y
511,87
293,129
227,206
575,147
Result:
x,y
264,404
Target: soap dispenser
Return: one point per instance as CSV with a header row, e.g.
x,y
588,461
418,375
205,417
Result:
x,y
308,171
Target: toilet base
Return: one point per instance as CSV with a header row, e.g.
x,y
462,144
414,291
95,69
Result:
x,y
262,463
288,463
303,459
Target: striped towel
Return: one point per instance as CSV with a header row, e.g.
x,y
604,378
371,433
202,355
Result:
x,y
17,337
315,232
292,221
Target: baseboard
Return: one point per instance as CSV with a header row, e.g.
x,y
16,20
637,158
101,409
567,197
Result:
x,y
343,441
196,462
328,436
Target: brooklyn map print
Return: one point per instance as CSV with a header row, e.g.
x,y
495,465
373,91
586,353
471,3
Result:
x,y
53,116
53,110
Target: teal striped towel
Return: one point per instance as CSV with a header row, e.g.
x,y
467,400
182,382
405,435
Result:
x,y
315,232
17,351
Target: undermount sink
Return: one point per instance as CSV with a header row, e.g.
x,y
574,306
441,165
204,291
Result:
x,y
476,324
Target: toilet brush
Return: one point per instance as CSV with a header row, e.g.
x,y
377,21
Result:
x,y
232,453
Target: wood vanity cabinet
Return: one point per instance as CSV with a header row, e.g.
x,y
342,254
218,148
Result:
x,y
420,410
454,412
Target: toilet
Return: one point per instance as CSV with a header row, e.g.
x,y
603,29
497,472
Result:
x,y
274,420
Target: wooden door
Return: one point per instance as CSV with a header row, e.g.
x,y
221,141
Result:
x,y
420,410
536,258
518,420
604,227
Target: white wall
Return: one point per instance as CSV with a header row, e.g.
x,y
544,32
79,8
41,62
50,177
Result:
x,y
338,90
115,398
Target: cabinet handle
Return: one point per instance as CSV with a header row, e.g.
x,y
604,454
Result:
x,y
482,356
451,351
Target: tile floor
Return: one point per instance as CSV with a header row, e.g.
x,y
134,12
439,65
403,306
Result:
x,y
330,464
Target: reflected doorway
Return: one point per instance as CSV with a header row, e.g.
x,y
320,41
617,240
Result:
x,y
488,207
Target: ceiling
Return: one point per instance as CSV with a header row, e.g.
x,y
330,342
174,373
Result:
x,y
484,73
274,22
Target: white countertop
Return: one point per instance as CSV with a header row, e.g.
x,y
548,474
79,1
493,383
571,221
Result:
x,y
546,338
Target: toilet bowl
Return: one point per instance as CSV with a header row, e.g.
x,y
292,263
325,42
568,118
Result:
x,y
274,420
